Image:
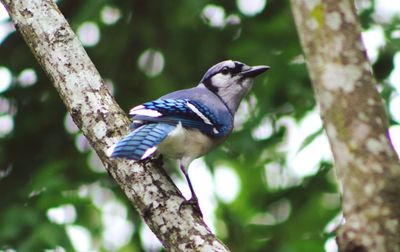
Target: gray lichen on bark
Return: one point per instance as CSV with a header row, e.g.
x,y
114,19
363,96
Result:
x,y
95,112
356,124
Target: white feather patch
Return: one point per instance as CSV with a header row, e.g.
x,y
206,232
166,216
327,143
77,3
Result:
x,y
145,112
197,112
136,108
202,116
221,80
110,150
149,152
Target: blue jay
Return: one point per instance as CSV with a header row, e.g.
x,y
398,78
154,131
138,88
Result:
x,y
187,124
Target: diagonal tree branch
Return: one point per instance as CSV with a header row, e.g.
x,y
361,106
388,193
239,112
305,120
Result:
x,y
94,110
356,124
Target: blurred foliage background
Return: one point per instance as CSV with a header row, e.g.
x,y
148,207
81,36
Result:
x,y
270,187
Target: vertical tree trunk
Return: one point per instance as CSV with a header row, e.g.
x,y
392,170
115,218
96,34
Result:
x,y
94,110
356,123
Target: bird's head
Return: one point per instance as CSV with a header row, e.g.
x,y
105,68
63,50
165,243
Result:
x,y
231,81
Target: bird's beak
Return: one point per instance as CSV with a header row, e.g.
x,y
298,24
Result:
x,y
254,71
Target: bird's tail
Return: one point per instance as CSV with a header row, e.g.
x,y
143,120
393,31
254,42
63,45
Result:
x,y
140,143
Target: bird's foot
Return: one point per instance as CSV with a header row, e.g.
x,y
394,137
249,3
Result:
x,y
194,203
143,162
158,160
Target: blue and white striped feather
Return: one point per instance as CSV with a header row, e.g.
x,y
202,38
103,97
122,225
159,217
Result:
x,y
189,113
189,129
142,142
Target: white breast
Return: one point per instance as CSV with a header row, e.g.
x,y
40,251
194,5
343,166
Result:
x,y
185,144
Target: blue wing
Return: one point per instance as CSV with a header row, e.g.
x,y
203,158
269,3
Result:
x,y
142,142
189,113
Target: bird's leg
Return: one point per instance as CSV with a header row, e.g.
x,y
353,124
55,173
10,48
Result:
x,y
193,201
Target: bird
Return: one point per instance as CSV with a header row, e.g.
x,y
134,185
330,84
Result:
x,y
189,123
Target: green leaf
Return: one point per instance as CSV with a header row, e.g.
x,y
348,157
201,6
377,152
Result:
x,y
310,139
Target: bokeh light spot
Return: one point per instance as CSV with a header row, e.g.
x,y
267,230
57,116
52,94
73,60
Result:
x,y
386,10
6,28
227,184
395,34
81,143
264,130
394,108
95,163
280,210
5,105
362,5
244,111
394,78
331,245
394,132
5,79
110,15
149,240
374,40
304,161
151,62
214,15
6,125
118,228
80,238
278,177
89,34
27,77
334,223
3,13
110,86
70,125
233,19
251,7
65,214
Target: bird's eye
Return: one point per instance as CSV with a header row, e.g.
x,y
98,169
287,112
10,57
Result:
x,y
225,70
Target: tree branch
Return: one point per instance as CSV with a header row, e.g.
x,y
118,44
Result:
x,y
355,121
94,110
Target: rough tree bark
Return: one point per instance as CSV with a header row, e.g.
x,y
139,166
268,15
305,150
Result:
x,y
94,110
356,123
